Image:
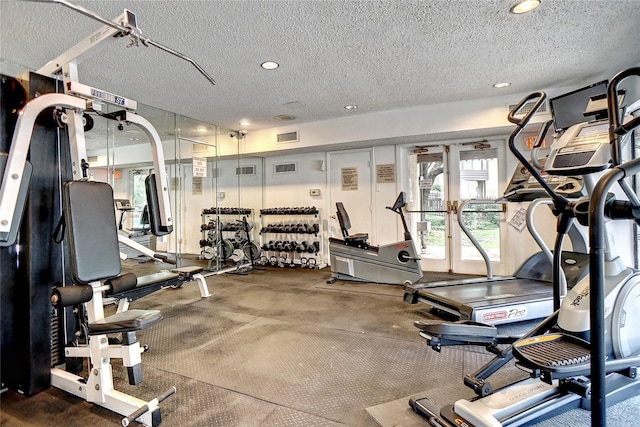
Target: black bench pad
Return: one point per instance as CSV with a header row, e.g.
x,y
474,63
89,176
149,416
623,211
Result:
x,y
188,271
127,321
149,284
163,278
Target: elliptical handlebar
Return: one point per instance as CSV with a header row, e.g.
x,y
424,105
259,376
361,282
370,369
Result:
x,y
597,213
527,117
616,128
559,201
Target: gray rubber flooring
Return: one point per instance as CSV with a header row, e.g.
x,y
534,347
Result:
x,y
283,348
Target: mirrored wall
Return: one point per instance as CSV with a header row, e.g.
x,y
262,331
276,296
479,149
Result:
x,y
212,186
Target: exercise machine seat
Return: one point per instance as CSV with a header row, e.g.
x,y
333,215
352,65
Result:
x,y
126,321
90,218
345,225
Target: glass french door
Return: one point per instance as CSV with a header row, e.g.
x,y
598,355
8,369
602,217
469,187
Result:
x,y
442,178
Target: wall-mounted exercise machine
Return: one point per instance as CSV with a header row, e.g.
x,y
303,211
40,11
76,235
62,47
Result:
x,y
586,354
45,179
353,258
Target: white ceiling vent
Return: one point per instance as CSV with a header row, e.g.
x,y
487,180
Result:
x,y
92,159
287,137
281,168
528,106
246,170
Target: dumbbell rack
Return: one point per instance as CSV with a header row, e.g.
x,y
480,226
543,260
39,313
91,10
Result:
x,y
214,246
292,240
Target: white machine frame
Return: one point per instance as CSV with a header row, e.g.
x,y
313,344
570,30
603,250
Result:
x,y
78,99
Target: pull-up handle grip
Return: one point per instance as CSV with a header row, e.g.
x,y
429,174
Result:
x,y
540,96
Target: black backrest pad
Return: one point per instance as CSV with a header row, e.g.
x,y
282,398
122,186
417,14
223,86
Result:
x,y
92,234
343,219
153,205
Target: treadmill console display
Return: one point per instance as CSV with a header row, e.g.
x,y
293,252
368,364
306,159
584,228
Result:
x,y
524,188
582,149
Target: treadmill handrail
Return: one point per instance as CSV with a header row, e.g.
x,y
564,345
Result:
x,y
543,246
542,134
463,227
532,229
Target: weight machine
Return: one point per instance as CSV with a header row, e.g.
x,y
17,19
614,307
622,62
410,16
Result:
x,y
33,174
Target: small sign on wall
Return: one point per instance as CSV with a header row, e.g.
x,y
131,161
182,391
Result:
x,y
385,173
175,183
519,219
196,186
426,183
200,167
349,179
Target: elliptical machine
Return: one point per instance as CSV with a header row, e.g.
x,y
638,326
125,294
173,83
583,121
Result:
x,y
353,258
579,357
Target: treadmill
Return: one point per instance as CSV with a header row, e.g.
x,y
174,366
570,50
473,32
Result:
x,y
528,294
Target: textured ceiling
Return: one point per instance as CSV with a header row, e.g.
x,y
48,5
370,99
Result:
x,y
380,55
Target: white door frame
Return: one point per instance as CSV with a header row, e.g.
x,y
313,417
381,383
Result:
x,y
452,177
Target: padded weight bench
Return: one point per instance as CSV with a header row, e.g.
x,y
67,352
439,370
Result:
x,y
359,239
151,283
92,239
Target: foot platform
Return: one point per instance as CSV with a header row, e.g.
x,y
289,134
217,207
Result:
x,y
554,356
439,333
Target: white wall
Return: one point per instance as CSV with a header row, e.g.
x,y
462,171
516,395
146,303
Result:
x,y
426,120
385,132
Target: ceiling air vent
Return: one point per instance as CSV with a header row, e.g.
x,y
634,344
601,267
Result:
x,y
527,107
281,168
198,148
246,170
92,159
287,137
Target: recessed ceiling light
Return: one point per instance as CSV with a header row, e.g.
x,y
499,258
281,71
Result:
x,y
134,139
350,107
245,123
269,65
524,6
501,85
